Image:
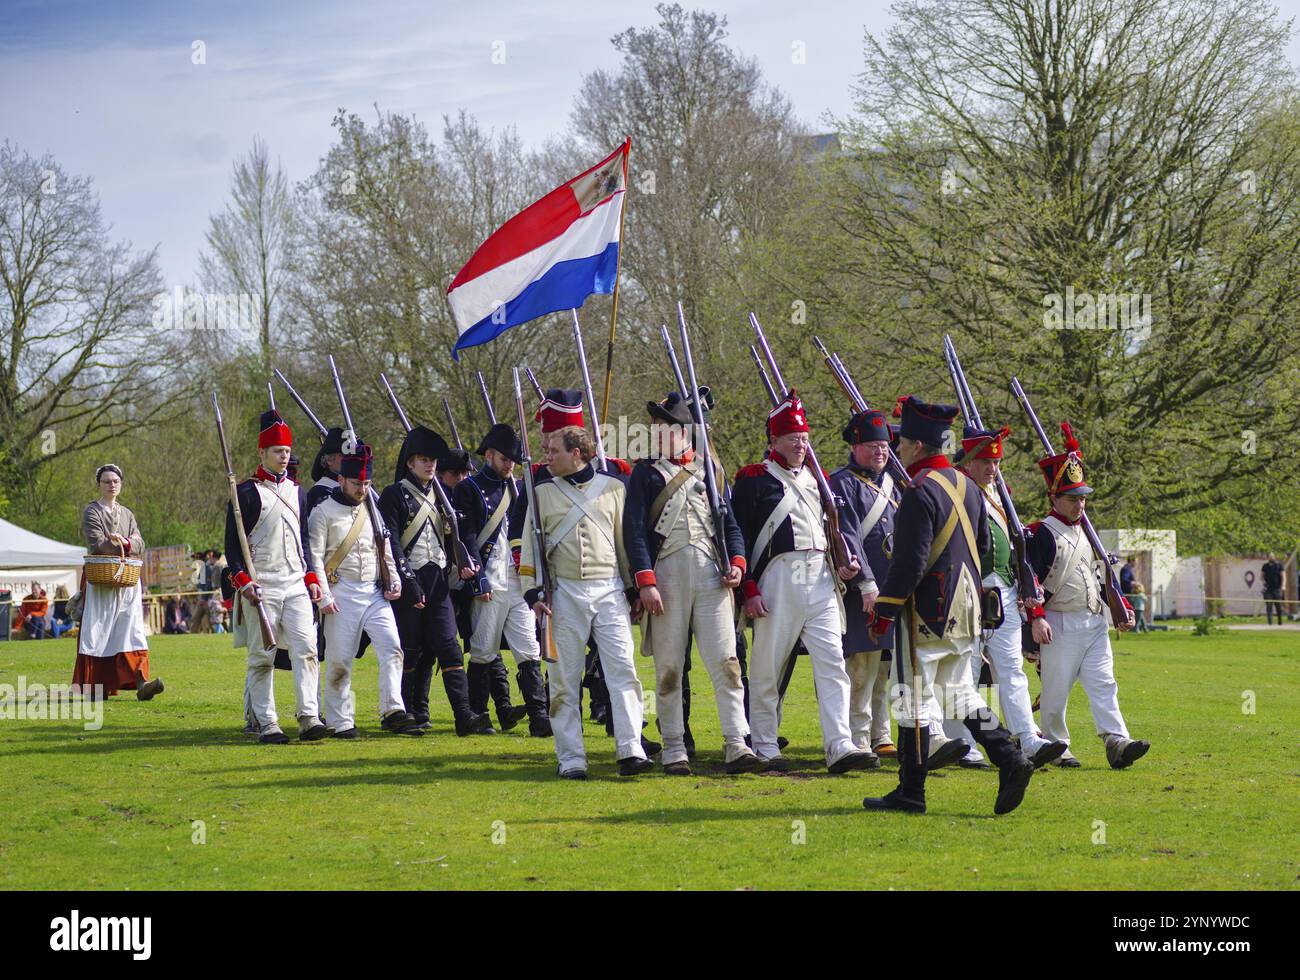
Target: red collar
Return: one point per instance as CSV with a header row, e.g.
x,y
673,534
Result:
x,y
780,460
684,458
1062,518
264,474
939,462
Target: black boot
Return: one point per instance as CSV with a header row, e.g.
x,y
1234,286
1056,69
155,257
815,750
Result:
x,y
468,721
687,738
1014,768
533,689
422,679
508,714
478,676
909,797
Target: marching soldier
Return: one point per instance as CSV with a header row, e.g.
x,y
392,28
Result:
x,y
352,599
940,530
668,530
286,585
581,514
981,458
1072,626
325,470
791,591
426,621
485,502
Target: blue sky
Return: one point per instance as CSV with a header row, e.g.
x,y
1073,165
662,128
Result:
x,y
109,87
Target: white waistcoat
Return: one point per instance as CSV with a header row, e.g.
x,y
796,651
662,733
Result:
x,y
686,520
1072,579
276,539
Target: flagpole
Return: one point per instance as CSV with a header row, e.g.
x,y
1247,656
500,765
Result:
x,y
613,313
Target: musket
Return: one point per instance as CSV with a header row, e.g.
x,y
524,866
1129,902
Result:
x,y
487,399
762,376
839,547
717,506
451,424
1026,581
270,394
896,469
586,386
549,653
672,356
532,380
298,399
464,561
254,594
1119,607
372,499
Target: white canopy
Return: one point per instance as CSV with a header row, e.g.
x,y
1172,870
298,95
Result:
x,y
20,548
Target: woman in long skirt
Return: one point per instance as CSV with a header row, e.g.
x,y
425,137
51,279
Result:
x,y
111,646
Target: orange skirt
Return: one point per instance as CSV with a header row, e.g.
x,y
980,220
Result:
x,y
121,672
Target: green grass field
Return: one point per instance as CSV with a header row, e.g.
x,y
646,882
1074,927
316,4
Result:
x,y
1216,804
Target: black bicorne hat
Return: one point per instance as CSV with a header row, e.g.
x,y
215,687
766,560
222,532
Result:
x,y
455,461
422,441
677,409
332,443
503,439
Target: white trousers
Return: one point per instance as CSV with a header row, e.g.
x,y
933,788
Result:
x,y
799,591
291,620
868,698
1007,664
696,601
946,683
584,609
505,612
1079,651
362,606
941,717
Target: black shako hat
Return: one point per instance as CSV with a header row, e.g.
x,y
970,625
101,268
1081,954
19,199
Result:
x,y
358,465
868,426
503,439
423,441
926,422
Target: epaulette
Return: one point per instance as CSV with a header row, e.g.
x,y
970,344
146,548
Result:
x,y
621,465
753,469
1032,526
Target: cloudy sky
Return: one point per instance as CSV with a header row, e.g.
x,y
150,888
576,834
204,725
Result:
x,y
110,87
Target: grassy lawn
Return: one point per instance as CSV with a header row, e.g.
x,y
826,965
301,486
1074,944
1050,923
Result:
x,y
1216,804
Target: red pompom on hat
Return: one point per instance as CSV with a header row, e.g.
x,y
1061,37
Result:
x,y
787,417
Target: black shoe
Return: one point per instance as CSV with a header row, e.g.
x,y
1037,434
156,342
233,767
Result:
x,y
852,761
632,766
893,801
475,725
574,774
677,769
511,716
348,734
973,764
748,762
782,742
540,728
1067,761
1048,753
946,754
649,747
1122,753
424,724
599,715
313,734
777,764
273,738
1012,782
401,723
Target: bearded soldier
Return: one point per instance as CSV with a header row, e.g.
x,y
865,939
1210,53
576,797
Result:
x,y
791,590
286,585
343,543
581,514
426,620
485,502
1072,626
980,460
668,529
940,530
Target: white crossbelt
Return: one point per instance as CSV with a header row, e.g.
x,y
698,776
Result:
x,y
582,506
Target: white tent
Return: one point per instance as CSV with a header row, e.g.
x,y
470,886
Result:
x,y
26,557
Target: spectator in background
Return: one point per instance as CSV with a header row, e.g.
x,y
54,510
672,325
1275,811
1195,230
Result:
x,y
1139,603
1273,575
1127,578
176,617
217,562
217,614
60,621
33,614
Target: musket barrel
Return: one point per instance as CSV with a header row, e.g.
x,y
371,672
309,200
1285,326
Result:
x,y
301,403
397,406
586,384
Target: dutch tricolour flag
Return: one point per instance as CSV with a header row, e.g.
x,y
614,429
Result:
x,y
550,256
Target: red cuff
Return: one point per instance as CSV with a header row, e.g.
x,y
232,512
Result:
x,y
311,579
646,579
738,561
240,579
1035,612
750,588
880,625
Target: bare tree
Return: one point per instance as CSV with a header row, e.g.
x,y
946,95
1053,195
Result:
x,y
83,360
247,242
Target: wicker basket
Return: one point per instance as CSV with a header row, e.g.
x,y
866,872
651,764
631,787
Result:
x,y
113,571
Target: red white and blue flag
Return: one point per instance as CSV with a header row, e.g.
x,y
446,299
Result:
x,y
550,256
